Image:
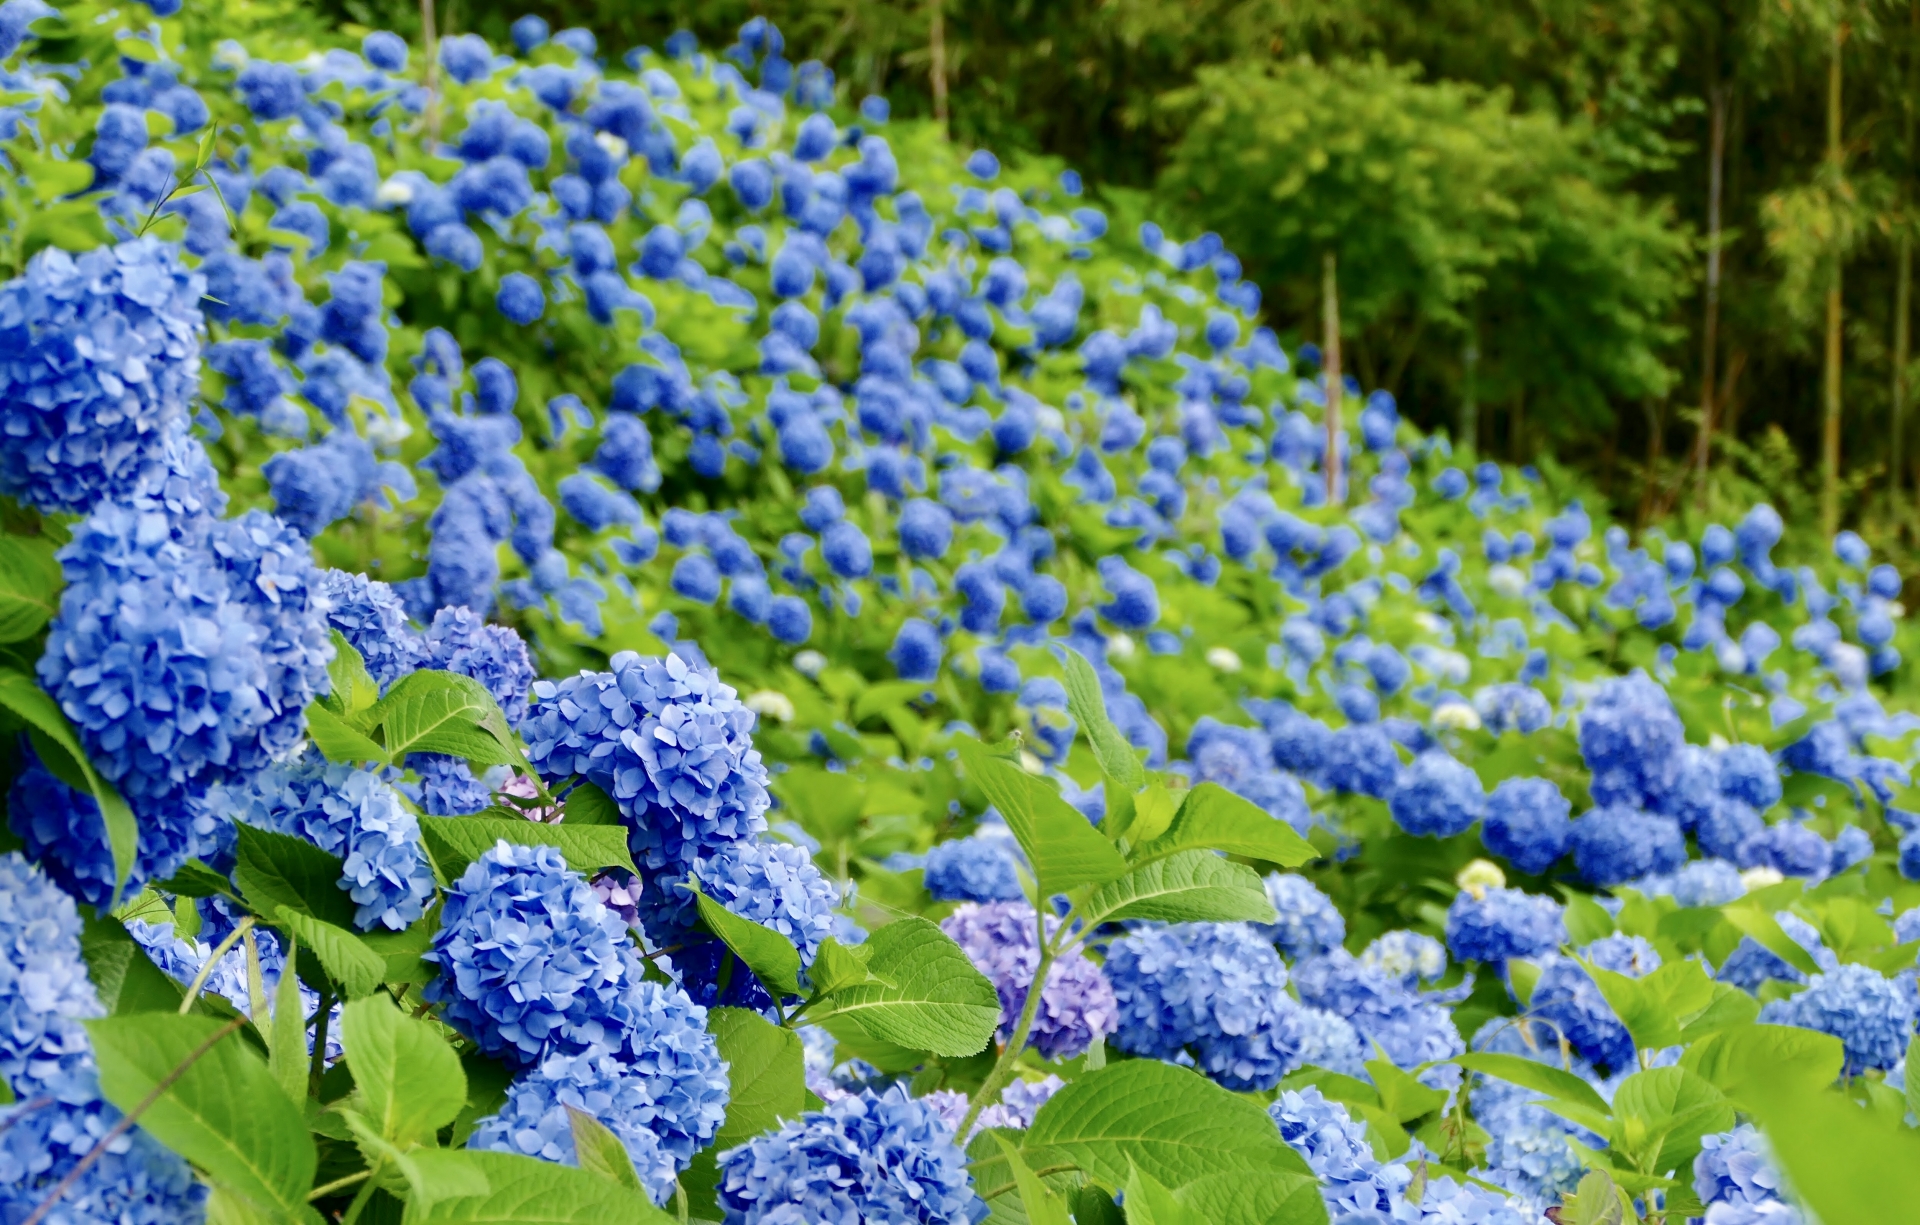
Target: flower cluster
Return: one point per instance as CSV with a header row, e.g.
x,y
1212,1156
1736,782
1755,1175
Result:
x,y
1213,991
982,868
1077,1004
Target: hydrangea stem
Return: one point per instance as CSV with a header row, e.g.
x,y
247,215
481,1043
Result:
x,y
997,1079
206,967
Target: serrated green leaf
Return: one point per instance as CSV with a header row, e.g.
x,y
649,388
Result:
x,y
456,842
124,977
59,748
1401,1094
589,804
1653,1006
224,1112
1737,1060
348,962
1255,1197
1596,1202
1149,1203
1190,887
1170,1122
766,1076
30,582
1088,705
837,965
338,740
1532,1074
277,872
1660,1115
1215,819
938,1001
444,712
528,1191
352,688
409,1080
600,1152
287,1056
770,955
1064,851
195,879
1042,1206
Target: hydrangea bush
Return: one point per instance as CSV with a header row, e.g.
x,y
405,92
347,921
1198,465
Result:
x,y
611,634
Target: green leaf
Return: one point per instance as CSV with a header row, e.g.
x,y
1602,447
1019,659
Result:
x,y
287,1056
528,1191
885,696
431,1174
1596,1201
1767,932
338,740
766,1075
1190,887
195,879
1739,1060
443,712
770,955
223,1112
72,225
1170,1122
1088,705
1660,1115
589,804
455,842
30,582
1523,976
59,748
353,689
1652,1007
1149,1203
1586,920
600,1151
124,977
839,965
277,872
1215,819
53,177
1540,1077
1913,1082
938,1002
1063,849
1731,1007
1042,1206
1403,1096
1842,1164
409,1080
348,962
1255,1197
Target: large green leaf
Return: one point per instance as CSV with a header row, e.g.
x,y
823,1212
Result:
x,y
1255,1197
837,966
1532,1074
338,740
29,586
456,842
59,748
766,1079
1741,1060
1040,1203
278,872
1089,709
1192,886
1660,1115
770,955
938,1002
354,967
1150,1203
124,977
528,1191
599,1151
410,1081
224,1112
1215,819
1172,1123
1843,1163
287,1055
444,712
589,804
1653,1007
1767,932
1064,851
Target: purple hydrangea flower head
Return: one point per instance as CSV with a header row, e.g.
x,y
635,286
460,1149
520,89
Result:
x,y
870,1156
1497,924
1309,924
531,962
1437,796
1527,824
668,741
1077,1002
101,352
1212,991
1631,740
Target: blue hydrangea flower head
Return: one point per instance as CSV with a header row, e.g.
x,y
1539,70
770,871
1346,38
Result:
x,y
1360,758
1749,774
981,868
371,616
1076,1002
916,651
531,962
1408,957
1736,1168
1497,924
1612,846
1328,1040
101,353
460,641
1437,796
1527,823
1309,923
1352,1180
1240,759
871,1156
1215,992
774,884
1869,1012
668,741
1631,740
63,832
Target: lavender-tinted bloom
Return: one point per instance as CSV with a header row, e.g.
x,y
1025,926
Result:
x,y
1076,1003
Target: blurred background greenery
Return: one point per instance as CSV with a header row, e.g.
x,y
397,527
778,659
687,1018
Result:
x,y
1665,242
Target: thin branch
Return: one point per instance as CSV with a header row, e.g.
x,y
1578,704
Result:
x,y
206,968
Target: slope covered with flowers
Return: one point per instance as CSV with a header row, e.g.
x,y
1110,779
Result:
x,y
611,388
